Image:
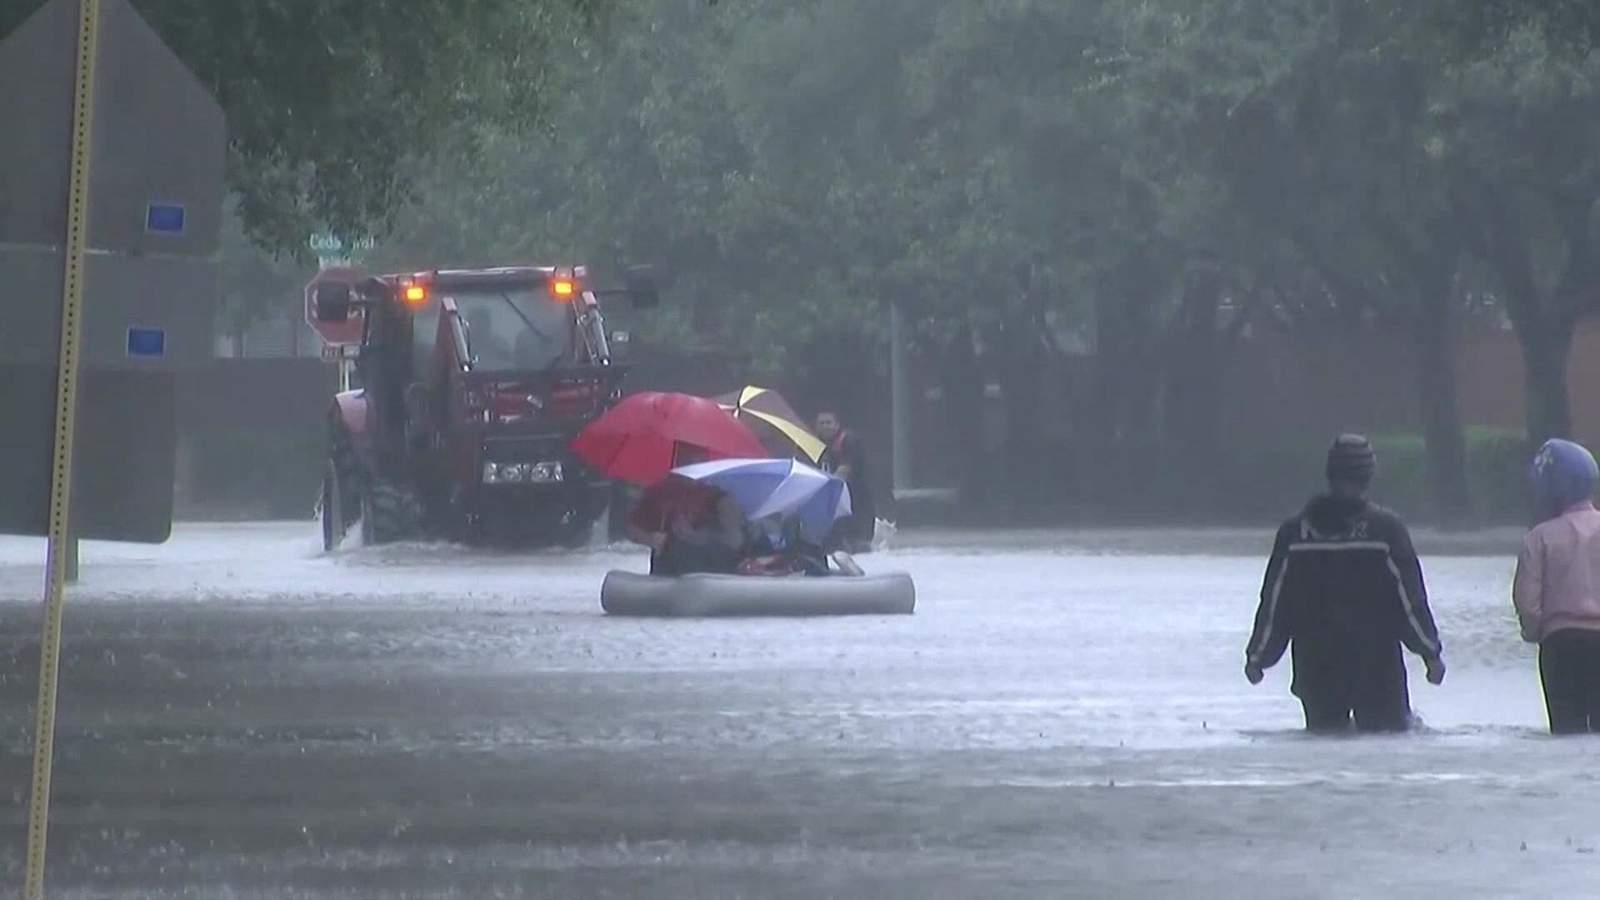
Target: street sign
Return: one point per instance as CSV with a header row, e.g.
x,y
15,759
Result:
x,y
332,252
157,146
347,332
340,353
100,118
164,218
147,343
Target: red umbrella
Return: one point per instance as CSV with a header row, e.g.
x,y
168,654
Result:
x,y
643,438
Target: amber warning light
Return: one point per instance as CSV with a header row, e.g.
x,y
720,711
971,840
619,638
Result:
x,y
416,294
563,288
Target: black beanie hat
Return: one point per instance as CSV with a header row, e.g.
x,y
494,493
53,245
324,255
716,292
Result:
x,y
1351,459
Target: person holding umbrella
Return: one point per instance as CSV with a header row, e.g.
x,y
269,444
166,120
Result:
x,y
794,505
773,420
688,527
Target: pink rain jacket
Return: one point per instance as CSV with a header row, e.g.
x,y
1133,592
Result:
x,y
1558,575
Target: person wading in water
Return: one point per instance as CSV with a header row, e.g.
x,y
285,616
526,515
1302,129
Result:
x,y
846,458
1557,587
1344,587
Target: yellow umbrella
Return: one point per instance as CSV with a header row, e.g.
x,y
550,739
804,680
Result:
x,y
753,404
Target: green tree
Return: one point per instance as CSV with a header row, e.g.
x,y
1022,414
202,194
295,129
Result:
x,y
327,100
1342,148
1530,142
1152,176
1573,26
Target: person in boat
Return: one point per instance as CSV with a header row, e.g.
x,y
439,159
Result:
x,y
777,547
846,458
689,527
1345,588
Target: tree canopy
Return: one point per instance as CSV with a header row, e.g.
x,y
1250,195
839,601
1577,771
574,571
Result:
x,y
1141,179
327,100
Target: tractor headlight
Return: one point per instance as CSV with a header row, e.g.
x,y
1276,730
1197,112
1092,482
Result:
x,y
523,473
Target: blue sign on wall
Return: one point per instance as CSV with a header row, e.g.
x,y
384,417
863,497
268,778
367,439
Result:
x,y
147,343
164,218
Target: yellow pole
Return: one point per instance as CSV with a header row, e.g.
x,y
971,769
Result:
x,y
61,471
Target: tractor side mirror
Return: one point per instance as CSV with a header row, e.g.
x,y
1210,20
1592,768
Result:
x,y
621,344
643,286
332,301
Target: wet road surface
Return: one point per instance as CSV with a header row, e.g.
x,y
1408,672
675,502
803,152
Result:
x,y
1064,717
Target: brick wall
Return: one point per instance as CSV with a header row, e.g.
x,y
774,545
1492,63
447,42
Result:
x,y
1281,383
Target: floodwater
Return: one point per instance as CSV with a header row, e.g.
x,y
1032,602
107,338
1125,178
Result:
x,y
1064,716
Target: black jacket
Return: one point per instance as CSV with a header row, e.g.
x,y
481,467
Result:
x,y
1344,578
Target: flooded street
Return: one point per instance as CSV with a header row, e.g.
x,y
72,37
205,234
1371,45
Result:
x,y
1063,716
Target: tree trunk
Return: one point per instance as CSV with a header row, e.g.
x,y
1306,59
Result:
x,y
1195,361
1105,407
1544,321
1546,348
1430,268
1118,447
1448,488
1019,371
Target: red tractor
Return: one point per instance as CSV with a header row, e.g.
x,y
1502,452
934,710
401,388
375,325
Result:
x,y
468,387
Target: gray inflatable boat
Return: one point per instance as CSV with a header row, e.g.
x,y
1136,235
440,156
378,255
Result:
x,y
632,594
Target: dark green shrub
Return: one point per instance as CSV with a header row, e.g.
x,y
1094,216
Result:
x,y
1497,464
1497,461
1261,481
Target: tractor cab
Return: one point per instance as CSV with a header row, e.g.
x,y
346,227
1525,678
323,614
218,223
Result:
x,y
472,384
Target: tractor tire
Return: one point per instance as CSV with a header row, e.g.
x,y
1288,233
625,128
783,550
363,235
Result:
x,y
340,500
331,510
389,513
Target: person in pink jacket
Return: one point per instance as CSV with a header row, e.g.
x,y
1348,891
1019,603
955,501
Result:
x,y
1557,586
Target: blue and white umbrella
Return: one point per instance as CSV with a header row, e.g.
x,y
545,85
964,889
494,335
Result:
x,y
785,488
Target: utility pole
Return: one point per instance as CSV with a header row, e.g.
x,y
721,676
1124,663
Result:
x,y
899,400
